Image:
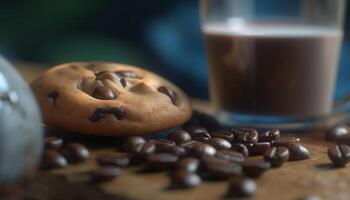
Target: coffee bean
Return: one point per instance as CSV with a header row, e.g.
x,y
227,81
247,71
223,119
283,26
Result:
x,y
148,148
104,93
139,157
128,74
285,141
231,156
258,149
202,139
162,142
75,152
241,187
202,150
296,151
240,148
170,93
270,135
54,143
224,170
161,161
134,144
339,154
184,179
190,144
222,134
255,168
219,143
106,173
188,164
276,156
52,160
176,150
197,131
179,136
112,160
245,135
337,133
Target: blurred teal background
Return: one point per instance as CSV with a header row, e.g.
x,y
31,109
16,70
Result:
x,y
160,35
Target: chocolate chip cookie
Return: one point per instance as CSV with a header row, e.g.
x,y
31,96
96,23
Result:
x,y
109,99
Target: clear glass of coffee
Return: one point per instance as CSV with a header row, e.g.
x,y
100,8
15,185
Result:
x,y
273,62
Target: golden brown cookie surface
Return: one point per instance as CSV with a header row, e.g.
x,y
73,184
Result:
x,y
109,99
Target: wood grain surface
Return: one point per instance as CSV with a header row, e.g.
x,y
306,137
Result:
x,y
295,180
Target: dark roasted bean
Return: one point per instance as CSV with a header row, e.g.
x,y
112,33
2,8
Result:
x,y
339,154
270,136
161,161
170,93
188,164
241,187
276,156
54,143
240,148
134,144
285,141
222,134
224,170
258,149
184,179
197,131
190,144
231,156
104,93
162,142
337,133
139,157
108,160
296,151
172,149
201,150
255,168
75,152
179,136
219,143
202,139
52,160
245,135
106,173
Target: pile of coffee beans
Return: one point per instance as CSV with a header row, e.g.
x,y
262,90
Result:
x,y
339,152
193,154
58,154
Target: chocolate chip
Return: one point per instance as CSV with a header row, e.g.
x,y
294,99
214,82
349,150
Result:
x,y
161,161
188,164
223,170
106,173
276,156
103,112
104,93
220,144
128,74
296,151
172,149
258,149
222,134
115,77
337,133
231,156
134,144
54,143
201,150
339,154
241,187
54,96
75,152
184,179
52,160
245,135
240,148
255,168
270,136
197,131
113,160
170,93
179,136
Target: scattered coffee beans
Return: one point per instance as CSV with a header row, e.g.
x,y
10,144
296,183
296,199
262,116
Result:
x,y
179,136
255,168
161,161
339,154
222,134
223,170
112,160
219,143
240,148
202,150
197,131
175,150
134,144
270,136
241,187
336,133
75,152
276,156
106,173
245,135
185,179
258,149
231,156
188,164
296,151
162,142
52,160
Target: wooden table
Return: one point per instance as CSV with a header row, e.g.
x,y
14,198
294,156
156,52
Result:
x,y
294,180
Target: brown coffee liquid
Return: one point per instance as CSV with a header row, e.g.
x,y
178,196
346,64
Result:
x,y
271,70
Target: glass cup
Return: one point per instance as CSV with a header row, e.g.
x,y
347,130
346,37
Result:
x,y
274,63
